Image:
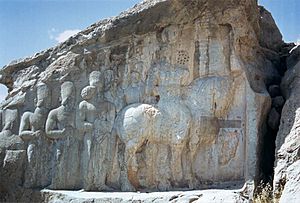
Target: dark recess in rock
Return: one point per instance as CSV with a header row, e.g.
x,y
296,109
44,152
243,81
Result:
x,y
268,145
274,91
278,103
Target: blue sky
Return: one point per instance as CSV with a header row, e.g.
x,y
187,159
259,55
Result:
x,y
29,26
287,16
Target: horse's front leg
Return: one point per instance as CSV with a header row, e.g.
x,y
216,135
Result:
x,y
126,168
176,162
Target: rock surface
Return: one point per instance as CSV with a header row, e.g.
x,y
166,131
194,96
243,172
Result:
x,y
169,95
204,196
286,178
270,36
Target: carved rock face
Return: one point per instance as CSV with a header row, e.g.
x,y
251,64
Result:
x,y
96,79
163,104
67,94
43,95
88,92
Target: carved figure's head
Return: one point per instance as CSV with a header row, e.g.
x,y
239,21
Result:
x,y
43,95
135,78
88,92
10,120
67,94
96,80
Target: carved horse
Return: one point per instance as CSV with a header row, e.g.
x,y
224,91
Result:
x,y
140,123
167,122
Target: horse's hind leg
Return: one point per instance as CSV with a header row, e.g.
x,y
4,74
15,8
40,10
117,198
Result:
x,y
193,147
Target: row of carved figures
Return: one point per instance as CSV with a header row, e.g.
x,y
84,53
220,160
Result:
x,y
168,122
93,122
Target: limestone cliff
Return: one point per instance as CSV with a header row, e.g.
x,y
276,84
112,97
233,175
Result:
x,y
171,94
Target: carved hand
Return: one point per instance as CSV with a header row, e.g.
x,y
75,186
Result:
x,y
68,131
38,133
27,135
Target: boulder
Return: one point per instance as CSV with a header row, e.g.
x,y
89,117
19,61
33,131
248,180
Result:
x,y
274,119
270,36
278,103
286,177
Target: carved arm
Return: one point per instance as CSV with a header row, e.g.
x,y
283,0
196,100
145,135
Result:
x,y
51,124
25,131
82,123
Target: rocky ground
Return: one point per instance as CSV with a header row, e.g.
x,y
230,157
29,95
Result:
x,y
205,196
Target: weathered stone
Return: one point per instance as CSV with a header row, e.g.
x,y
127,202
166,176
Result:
x,y
274,91
96,118
291,191
12,170
274,119
168,95
196,196
278,102
294,58
32,132
60,127
286,177
270,36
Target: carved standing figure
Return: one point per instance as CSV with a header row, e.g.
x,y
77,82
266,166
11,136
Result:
x,y
32,129
87,117
9,140
96,117
135,89
9,122
60,127
166,122
59,124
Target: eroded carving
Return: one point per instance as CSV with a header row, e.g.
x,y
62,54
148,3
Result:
x,y
33,124
60,128
140,123
8,136
96,117
60,121
135,90
183,117
32,130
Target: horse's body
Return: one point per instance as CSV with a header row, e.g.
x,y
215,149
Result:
x,y
164,123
